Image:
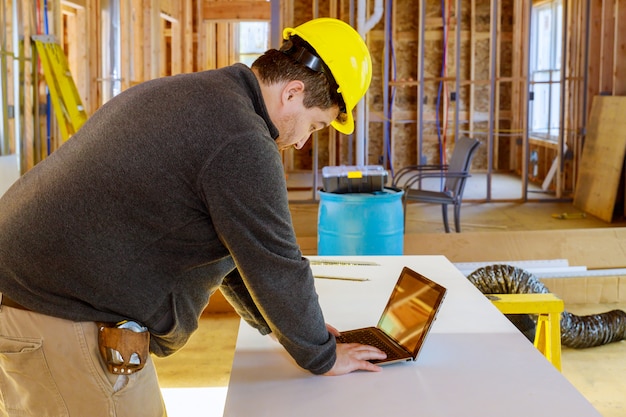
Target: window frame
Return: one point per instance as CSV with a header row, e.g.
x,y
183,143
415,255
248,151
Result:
x,y
545,78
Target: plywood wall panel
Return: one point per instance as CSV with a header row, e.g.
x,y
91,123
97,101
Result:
x,y
602,158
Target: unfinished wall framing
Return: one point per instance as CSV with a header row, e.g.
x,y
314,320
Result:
x,y
441,69
463,69
434,72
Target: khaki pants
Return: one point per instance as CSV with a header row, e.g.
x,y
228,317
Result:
x,y
52,367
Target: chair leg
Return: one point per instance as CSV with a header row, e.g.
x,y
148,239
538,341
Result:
x,y
444,212
404,206
457,218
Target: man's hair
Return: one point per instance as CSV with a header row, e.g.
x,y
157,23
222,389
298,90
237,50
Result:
x,y
320,89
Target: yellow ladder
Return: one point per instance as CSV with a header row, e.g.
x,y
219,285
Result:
x,y
66,102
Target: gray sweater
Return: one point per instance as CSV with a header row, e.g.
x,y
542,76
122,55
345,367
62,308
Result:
x,y
169,191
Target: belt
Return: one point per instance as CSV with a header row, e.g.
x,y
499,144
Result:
x,y
6,301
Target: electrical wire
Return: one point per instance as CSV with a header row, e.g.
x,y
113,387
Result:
x,y
48,100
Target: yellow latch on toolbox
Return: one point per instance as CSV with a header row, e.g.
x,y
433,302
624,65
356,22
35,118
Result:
x,y
355,174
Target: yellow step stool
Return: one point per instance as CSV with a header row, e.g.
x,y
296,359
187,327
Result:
x,y
548,309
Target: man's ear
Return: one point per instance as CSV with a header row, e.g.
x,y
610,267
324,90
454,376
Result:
x,y
292,90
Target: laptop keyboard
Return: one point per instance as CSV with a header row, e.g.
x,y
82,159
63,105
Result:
x,y
367,337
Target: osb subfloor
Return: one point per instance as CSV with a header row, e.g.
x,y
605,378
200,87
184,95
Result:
x,y
598,373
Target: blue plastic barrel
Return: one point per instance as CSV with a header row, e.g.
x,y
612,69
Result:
x,y
361,224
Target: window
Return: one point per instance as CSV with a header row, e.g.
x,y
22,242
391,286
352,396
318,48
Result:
x,y
253,40
545,69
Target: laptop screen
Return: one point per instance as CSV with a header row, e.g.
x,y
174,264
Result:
x,y
411,309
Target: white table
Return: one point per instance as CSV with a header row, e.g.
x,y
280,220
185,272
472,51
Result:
x,y
474,363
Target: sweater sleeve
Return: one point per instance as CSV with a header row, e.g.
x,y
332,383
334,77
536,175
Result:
x,y
248,204
234,290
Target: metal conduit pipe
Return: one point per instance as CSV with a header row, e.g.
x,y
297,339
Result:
x,y
364,26
111,47
576,331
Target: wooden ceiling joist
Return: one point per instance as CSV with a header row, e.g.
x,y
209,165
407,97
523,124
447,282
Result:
x,y
76,4
256,10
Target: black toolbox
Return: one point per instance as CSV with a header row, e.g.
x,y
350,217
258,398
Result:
x,y
345,179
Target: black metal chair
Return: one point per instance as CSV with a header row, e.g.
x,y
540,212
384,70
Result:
x,y
453,177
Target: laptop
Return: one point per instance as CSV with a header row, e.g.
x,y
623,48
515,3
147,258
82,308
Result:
x,y
406,320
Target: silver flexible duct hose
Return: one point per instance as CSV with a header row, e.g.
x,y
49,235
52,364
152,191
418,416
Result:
x,y
576,331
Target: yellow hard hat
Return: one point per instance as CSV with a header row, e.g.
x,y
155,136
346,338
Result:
x,y
345,54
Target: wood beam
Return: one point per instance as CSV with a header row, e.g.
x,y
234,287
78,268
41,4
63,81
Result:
x,y
75,4
170,10
606,47
188,36
619,80
595,36
236,10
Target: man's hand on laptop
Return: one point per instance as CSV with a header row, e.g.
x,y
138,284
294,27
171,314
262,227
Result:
x,y
354,357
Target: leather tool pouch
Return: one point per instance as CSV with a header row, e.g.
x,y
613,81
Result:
x,y
124,351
